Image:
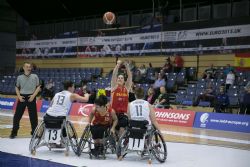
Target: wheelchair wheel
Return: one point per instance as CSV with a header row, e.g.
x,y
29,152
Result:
x,y
36,138
72,136
122,145
158,147
84,139
110,144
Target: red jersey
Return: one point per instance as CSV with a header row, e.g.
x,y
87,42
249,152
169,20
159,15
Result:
x,y
103,119
120,99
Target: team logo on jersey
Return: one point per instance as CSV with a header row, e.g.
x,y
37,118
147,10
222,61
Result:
x,y
85,109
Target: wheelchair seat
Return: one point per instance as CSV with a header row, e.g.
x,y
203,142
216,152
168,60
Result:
x,y
137,130
53,122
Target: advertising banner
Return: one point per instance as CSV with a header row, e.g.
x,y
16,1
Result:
x,y
183,35
7,103
221,121
138,43
175,117
44,106
81,109
38,105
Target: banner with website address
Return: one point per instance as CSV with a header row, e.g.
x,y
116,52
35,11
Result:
x,y
148,43
183,35
221,121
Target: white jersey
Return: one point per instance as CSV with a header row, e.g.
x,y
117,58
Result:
x,y
139,110
61,104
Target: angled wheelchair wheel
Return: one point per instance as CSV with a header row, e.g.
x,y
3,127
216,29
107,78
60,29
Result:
x,y
84,139
109,143
122,145
158,146
72,136
36,138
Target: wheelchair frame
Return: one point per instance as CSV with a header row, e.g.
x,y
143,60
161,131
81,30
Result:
x,y
153,140
38,137
86,142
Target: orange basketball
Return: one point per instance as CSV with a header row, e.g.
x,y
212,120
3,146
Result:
x,y
109,18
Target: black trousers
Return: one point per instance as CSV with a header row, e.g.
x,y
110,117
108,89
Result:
x,y
245,109
122,121
97,131
20,108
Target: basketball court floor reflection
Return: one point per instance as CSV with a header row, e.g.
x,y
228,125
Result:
x,y
187,146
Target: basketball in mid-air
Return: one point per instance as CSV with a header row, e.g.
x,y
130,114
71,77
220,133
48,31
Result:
x,y
109,18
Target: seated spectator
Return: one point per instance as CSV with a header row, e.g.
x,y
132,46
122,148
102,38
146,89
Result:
x,y
143,71
227,69
207,76
151,95
221,100
159,82
33,67
209,73
168,67
230,79
245,105
48,90
178,63
207,95
163,100
83,89
137,77
131,65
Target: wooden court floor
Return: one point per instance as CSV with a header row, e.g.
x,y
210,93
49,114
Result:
x,y
171,133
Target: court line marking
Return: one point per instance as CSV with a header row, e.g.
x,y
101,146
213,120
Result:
x,y
167,132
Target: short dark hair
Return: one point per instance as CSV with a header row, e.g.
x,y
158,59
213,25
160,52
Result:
x,y
26,62
139,93
67,84
101,100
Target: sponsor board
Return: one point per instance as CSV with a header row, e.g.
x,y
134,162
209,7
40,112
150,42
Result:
x,y
166,36
7,103
44,106
175,117
38,106
81,109
221,121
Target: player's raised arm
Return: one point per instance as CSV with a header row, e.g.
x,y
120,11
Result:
x,y
114,75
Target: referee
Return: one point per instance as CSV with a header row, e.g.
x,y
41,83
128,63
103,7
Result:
x,y
27,87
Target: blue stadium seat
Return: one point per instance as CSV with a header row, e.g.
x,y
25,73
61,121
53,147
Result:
x,y
179,98
191,73
204,104
187,102
170,84
180,80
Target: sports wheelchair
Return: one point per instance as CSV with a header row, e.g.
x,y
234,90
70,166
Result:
x,y
139,138
86,143
54,133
